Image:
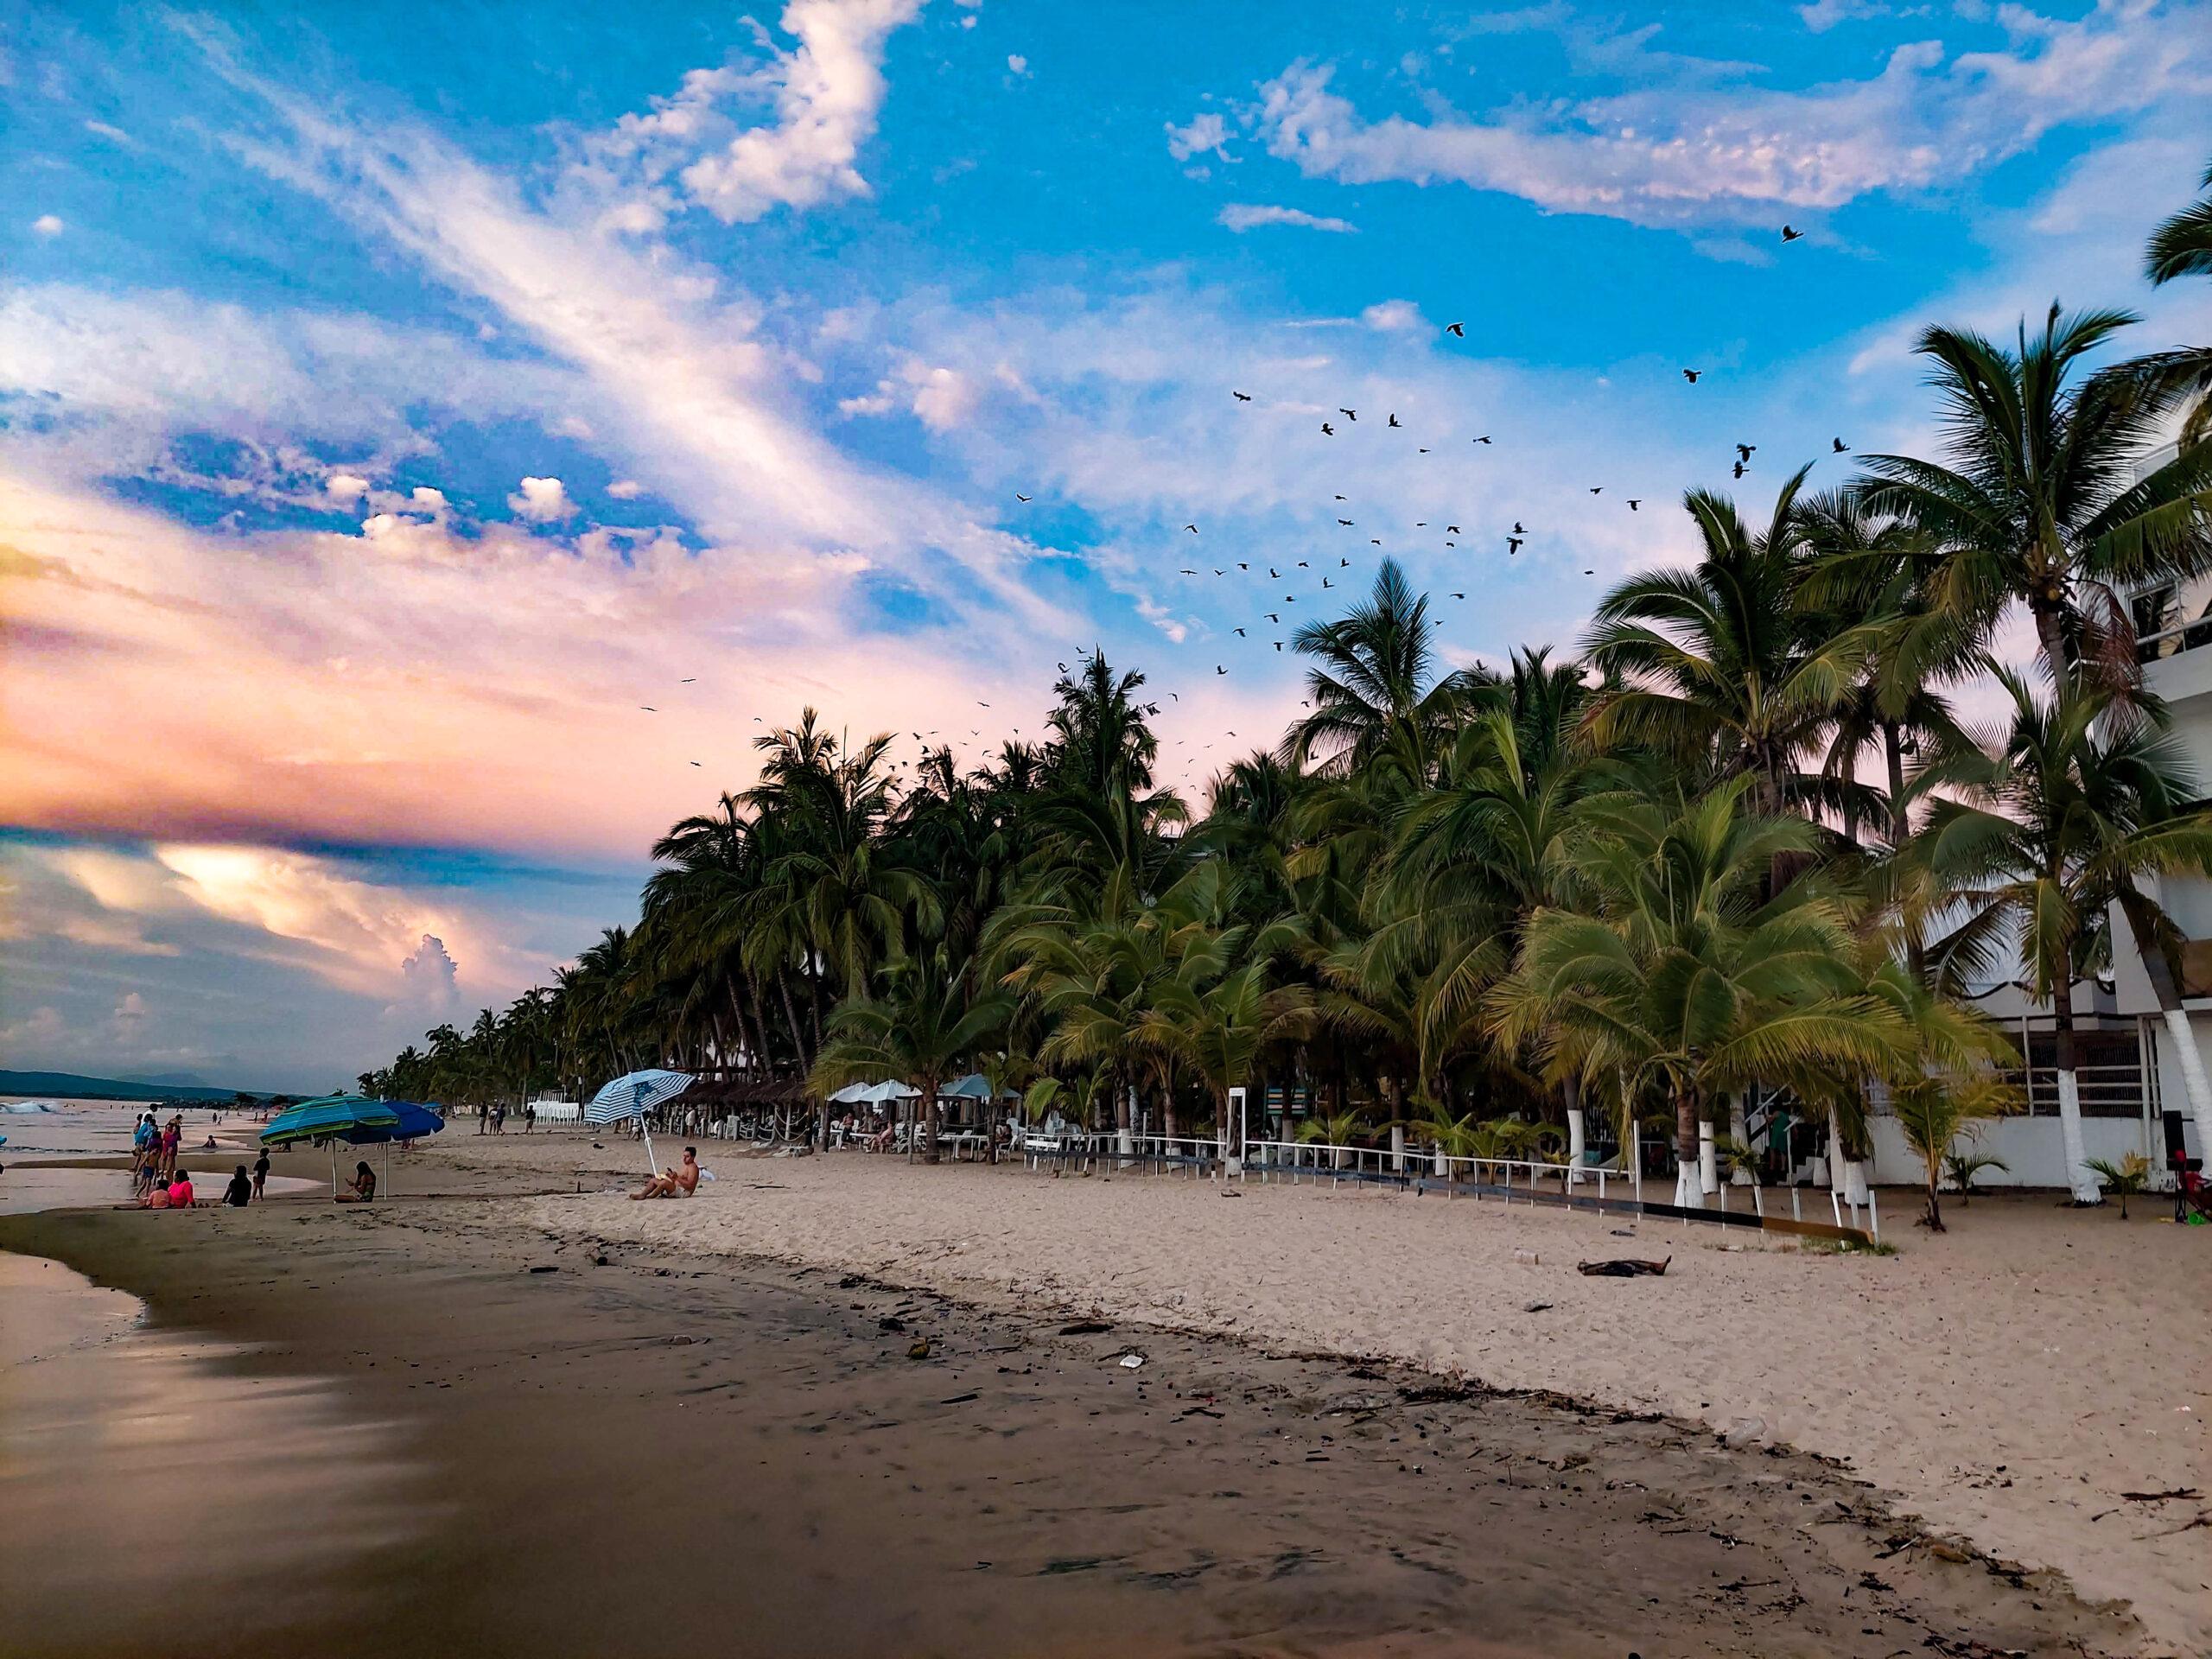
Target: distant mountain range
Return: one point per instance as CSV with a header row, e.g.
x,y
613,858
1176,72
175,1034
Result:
x,y
67,1085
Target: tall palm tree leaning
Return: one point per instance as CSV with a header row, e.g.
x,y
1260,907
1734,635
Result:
x,y
2181,246
2082,798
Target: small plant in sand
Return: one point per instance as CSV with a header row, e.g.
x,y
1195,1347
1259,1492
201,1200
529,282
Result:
x,y
2130,1174
1962,1164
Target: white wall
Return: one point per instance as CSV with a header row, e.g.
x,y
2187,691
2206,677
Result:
x,y
2030,1147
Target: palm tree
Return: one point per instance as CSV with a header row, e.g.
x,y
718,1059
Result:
x,y
2042,502
1682,977
1219,1011
1717,665
924,1030
2181,246
2082,798
1375,685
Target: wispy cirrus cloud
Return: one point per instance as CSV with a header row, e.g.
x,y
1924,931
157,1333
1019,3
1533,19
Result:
x,y
1241,216
1687,154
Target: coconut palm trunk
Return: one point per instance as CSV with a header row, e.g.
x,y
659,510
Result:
x,y
2196,1088
2080,1179
1689,1182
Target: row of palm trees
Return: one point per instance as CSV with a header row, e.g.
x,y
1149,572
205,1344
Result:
x,y
1744,841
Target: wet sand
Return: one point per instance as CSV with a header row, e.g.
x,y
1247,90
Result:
x,y
657,1454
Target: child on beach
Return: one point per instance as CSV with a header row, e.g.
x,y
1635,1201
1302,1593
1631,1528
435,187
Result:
x,y
260,1175
239,1193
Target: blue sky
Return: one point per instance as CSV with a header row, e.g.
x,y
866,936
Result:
x,y
395,404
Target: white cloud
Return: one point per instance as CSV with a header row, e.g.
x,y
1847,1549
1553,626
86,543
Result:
x,y
46,224
1393,316
40,1026
541,500
131,1015
430,980
943,397
1689,153
1016,64
428,500
1206,134
625,489
112,134
1241,216
1823,16
346,488
827,90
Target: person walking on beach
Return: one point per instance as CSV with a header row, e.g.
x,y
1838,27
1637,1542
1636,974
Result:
x,y
483,1118
260,1175
529,1116
500,1118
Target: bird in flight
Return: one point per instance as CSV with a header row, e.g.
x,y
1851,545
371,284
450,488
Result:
x,y
1343,564
1458,331
648,708
1790,233
1272,616
980,703
1274,573
689,679
1452,529
1241,565
1588,572
1739,469
1842,448
1517,531
1344,521
1278,645
1328,431
1303,565
1019,496
1340,497
1745,451
1691,375
1240,633
1325,582
1424,449
1242,396
1221,573
1193,528
1596,488
695,763
1349,414
1459,595
1189,572
1634,505
1482,439
1218,669
1375,541
1512,545
1394,420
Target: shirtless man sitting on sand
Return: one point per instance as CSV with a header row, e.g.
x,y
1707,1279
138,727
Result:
x,y
678,1182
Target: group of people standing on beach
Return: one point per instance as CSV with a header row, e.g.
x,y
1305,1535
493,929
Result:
x,y
159,1182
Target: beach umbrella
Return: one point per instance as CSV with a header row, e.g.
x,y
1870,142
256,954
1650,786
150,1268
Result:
x,y
856,1094
633,1095
415,1123
329,1118
974,1086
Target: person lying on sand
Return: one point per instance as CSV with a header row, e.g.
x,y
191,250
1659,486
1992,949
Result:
x,y
680,1182
362,1188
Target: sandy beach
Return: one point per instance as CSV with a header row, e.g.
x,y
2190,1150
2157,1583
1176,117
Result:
x,y
1909,1370
1734,1399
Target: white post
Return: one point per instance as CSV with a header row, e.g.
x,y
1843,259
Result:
x,y
1397,1148
1127,1138
1708,1160
1578,1143
1232,1155
1739,1132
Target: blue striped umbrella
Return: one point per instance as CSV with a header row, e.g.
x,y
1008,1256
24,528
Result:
x,y
633,1095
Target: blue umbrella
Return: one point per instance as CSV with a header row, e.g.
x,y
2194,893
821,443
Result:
x,y
415,1121
633,1095
329,1118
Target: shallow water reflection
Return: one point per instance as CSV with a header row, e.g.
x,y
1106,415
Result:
x,y
151,1483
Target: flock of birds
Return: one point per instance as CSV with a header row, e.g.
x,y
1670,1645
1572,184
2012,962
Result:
x,y
1519,538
